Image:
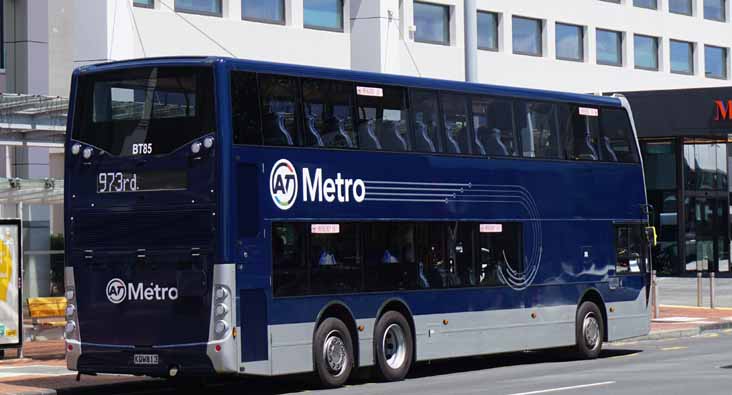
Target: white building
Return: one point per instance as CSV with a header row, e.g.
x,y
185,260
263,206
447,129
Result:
x,y
573,45
570,45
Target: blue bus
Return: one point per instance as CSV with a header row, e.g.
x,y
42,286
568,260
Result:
x,y
240,217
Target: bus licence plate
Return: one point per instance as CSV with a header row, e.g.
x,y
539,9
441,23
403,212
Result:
x,y
145,359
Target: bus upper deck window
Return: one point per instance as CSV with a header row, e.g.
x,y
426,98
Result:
x,y
618,141
426,121
245,109
279,109
493,127
455,112
538,127
328,114
580,128
383,118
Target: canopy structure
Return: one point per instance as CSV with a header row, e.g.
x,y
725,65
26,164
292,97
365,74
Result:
x,y
31,121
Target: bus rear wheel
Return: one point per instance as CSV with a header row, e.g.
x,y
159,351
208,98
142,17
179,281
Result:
x,y
589,331
393,346
333,352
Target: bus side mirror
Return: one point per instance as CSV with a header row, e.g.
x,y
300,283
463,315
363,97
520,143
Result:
x,y
651,235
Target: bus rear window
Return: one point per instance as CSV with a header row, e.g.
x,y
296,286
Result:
x,y
161,107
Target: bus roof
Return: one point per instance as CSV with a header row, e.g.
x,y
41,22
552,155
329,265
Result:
x,y
362,77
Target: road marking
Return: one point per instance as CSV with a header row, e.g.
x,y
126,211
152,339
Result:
x,y
674,348
574,387
727,331
628,343
710,335
624,356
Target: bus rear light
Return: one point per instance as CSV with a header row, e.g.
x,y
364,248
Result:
x,y
70,347
69,295
87,153
75,149
221,293
70,310
208,142
221,309
218,348
221,327
70,327
196,147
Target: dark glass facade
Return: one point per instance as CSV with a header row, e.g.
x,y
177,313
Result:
x,y
688,187
686,143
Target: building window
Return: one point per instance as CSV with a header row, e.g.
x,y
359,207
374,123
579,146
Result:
x,y
682,57
144,3
715,62
527,36
323,14
205,7
682,7
433,23
646,52
570,42
488,30
714,10
263,10
609,47
650,4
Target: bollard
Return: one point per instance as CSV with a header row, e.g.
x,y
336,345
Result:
x,y
698,284
711,289
654,288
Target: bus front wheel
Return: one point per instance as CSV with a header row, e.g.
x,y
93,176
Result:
x,y
333,352
393,346
589,331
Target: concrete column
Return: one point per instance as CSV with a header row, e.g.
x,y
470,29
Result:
x,y
471,41
26,43
368,25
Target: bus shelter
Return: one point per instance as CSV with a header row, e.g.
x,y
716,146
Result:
x,y
32,129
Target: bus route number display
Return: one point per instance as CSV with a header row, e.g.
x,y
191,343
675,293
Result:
x,y
120,182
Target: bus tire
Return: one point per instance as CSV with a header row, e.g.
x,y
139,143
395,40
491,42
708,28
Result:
x,y
589,331
393,346
333,352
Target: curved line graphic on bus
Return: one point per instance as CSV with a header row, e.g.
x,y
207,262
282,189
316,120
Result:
x,y
445,193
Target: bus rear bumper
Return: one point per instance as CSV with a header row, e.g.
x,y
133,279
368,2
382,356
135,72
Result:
x,y
184,361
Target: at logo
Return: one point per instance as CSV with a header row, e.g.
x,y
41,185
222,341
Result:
x,y
283,184
116,291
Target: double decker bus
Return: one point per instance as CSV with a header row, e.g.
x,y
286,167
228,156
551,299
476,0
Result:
x,y
241,217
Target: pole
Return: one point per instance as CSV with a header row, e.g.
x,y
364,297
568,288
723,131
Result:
x,y
711,289
471,41
698,284
654,288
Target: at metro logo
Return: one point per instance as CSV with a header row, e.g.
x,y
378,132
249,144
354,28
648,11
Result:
x,y
283,186
723,112
118,291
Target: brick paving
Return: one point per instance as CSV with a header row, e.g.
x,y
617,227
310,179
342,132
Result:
x,y
697,316
49,354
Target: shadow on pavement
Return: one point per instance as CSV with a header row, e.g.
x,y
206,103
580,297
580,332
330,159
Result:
x,y
298,383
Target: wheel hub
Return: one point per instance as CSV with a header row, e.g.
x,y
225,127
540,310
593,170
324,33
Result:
x,y
591,331
334,352
394,345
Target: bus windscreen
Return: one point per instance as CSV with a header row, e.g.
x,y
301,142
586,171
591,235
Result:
x,y
144,111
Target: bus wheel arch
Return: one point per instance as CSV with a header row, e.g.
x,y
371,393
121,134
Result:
x,y
592,295
340,310
388,308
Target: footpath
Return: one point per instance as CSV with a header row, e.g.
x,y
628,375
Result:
x,y
43,369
